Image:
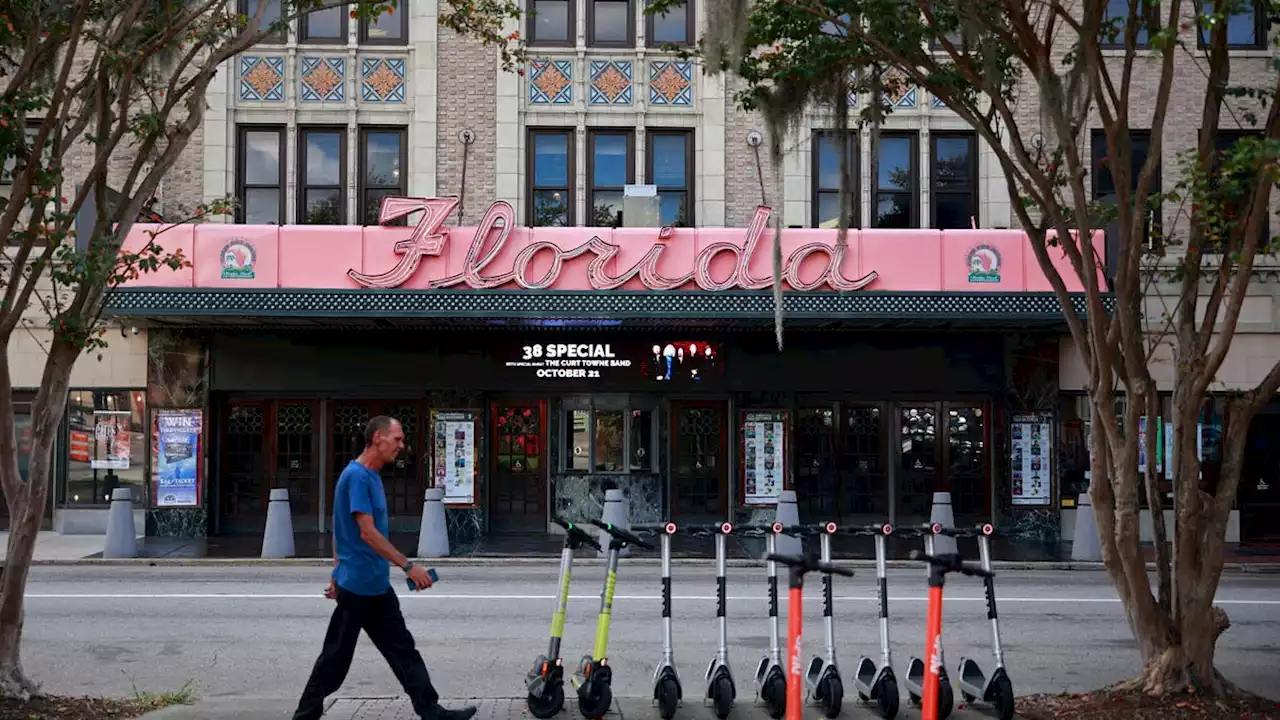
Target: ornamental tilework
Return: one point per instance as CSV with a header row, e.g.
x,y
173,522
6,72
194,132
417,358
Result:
x,y
937,102
670,82
551,82
262,78
382,79
322,79
900,93
610,82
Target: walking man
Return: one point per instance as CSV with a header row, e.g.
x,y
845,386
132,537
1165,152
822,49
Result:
x,y
362,586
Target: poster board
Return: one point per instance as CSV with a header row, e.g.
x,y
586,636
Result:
x,y
111,450
455,455
1031,458
177,452
764,456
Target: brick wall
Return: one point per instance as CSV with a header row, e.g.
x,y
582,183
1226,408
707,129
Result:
x,y
467,100
742,183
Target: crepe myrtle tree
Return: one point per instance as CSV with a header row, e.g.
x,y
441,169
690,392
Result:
x,y
120,86
982,58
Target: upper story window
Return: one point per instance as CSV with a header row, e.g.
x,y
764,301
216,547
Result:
x,y
272,12
825,203
610,168
669,161
550,178
383,158
1104,185
1148,18
324,26
953,191
551,22
610,23
259,175
895,200
322,174
391,27
1246,25
673,27
1238,204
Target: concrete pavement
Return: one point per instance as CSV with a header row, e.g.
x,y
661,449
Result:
x,y
254,631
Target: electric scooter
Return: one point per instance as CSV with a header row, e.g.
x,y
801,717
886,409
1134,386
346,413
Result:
x,y
917,672
795,621
823,676
996,690
771,680
594,677
545,682
878,681
666,681
721,690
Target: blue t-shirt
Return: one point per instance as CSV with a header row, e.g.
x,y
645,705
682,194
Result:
x,y
360,569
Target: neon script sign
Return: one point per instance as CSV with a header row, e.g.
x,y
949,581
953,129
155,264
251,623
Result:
x,y
429,238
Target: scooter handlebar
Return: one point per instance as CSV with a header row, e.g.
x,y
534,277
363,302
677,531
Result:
x,y
952,563
577,533
938,529
797,530
809,565
619,534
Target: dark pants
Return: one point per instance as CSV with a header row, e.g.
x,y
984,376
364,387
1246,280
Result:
x,y
380,617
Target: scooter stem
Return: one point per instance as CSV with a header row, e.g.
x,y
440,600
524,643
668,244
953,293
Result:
x,y
932,650
606,605
722,651
668,654
795,623
770,544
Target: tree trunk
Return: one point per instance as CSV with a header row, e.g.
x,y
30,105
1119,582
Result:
x,y
26,501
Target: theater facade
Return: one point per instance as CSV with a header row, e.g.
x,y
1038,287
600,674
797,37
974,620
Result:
x,y
534,368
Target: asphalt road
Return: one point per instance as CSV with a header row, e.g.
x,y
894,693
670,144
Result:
x,y
255,631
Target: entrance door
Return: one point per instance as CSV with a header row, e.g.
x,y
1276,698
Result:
x,y
817,475
918,475
402,480
268,444
944,449
864,471
518,479
1259,494
699,455
967,460
296,465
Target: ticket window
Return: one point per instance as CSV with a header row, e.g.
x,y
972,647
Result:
x,y
609,435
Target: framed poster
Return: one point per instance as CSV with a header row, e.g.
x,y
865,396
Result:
x,y
176,451
111,436
455,460
764,456
1031,458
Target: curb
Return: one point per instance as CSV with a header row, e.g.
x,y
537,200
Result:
x,y
1260,568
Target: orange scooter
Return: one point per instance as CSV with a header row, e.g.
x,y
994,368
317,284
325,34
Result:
x,y
795,622
939,566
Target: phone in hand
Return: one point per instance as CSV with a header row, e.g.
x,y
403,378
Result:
x,y
431,573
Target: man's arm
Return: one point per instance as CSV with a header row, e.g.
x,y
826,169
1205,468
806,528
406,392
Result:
x,y
376,540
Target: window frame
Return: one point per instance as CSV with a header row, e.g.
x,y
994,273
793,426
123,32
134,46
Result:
x,y
242,7
141,500
630,42
402,15
531,185
303,132
1152,8
242,162
1156,221
362,186
625,404
690,18
1260,27
571,22
304,28
913,213
973,175
592,186
690,180
815,172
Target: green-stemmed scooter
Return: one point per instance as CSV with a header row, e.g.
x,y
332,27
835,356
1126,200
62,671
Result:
x,y
594,676
545,682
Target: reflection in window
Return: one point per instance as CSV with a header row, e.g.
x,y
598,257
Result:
x,y
382,172
609,441
549,21
672,26
603,440
954,196
611,23
327,25
1244,28
669,159
610,174
261,190
1116,17
578,454
826,180
551,201
323,198
895,196
106,446
641,459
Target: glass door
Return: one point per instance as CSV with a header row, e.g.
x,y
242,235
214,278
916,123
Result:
x,y
918,470
699,462
295,462
967,462
518,485
402,480
864,469
244,482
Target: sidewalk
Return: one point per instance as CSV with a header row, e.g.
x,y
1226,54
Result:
x,y
510,709
56,547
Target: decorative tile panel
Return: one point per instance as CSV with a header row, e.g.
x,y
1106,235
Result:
x,y
262,78
610,82
551,82
937,102
382,79
670,82
898,92
322,79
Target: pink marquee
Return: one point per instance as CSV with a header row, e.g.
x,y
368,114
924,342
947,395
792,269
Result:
x,y
430,256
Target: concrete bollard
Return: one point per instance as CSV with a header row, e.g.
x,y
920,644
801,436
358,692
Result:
x,y
944,516
1085,545
433,538
277,539
615,513
122,536
787,512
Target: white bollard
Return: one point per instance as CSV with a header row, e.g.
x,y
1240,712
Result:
x,y
787,512
1085,544
277,539
122,536
615,513
944,516
433,538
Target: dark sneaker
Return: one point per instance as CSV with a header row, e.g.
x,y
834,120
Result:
x,y
462,713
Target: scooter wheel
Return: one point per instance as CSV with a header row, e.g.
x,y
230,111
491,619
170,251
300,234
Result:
x,y
946,699
595,707
722,696
1002,697
832,694
887,698
549,705
775,696
668,698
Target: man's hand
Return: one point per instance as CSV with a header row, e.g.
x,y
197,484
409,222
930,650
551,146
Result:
x,y
331,592
418,574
